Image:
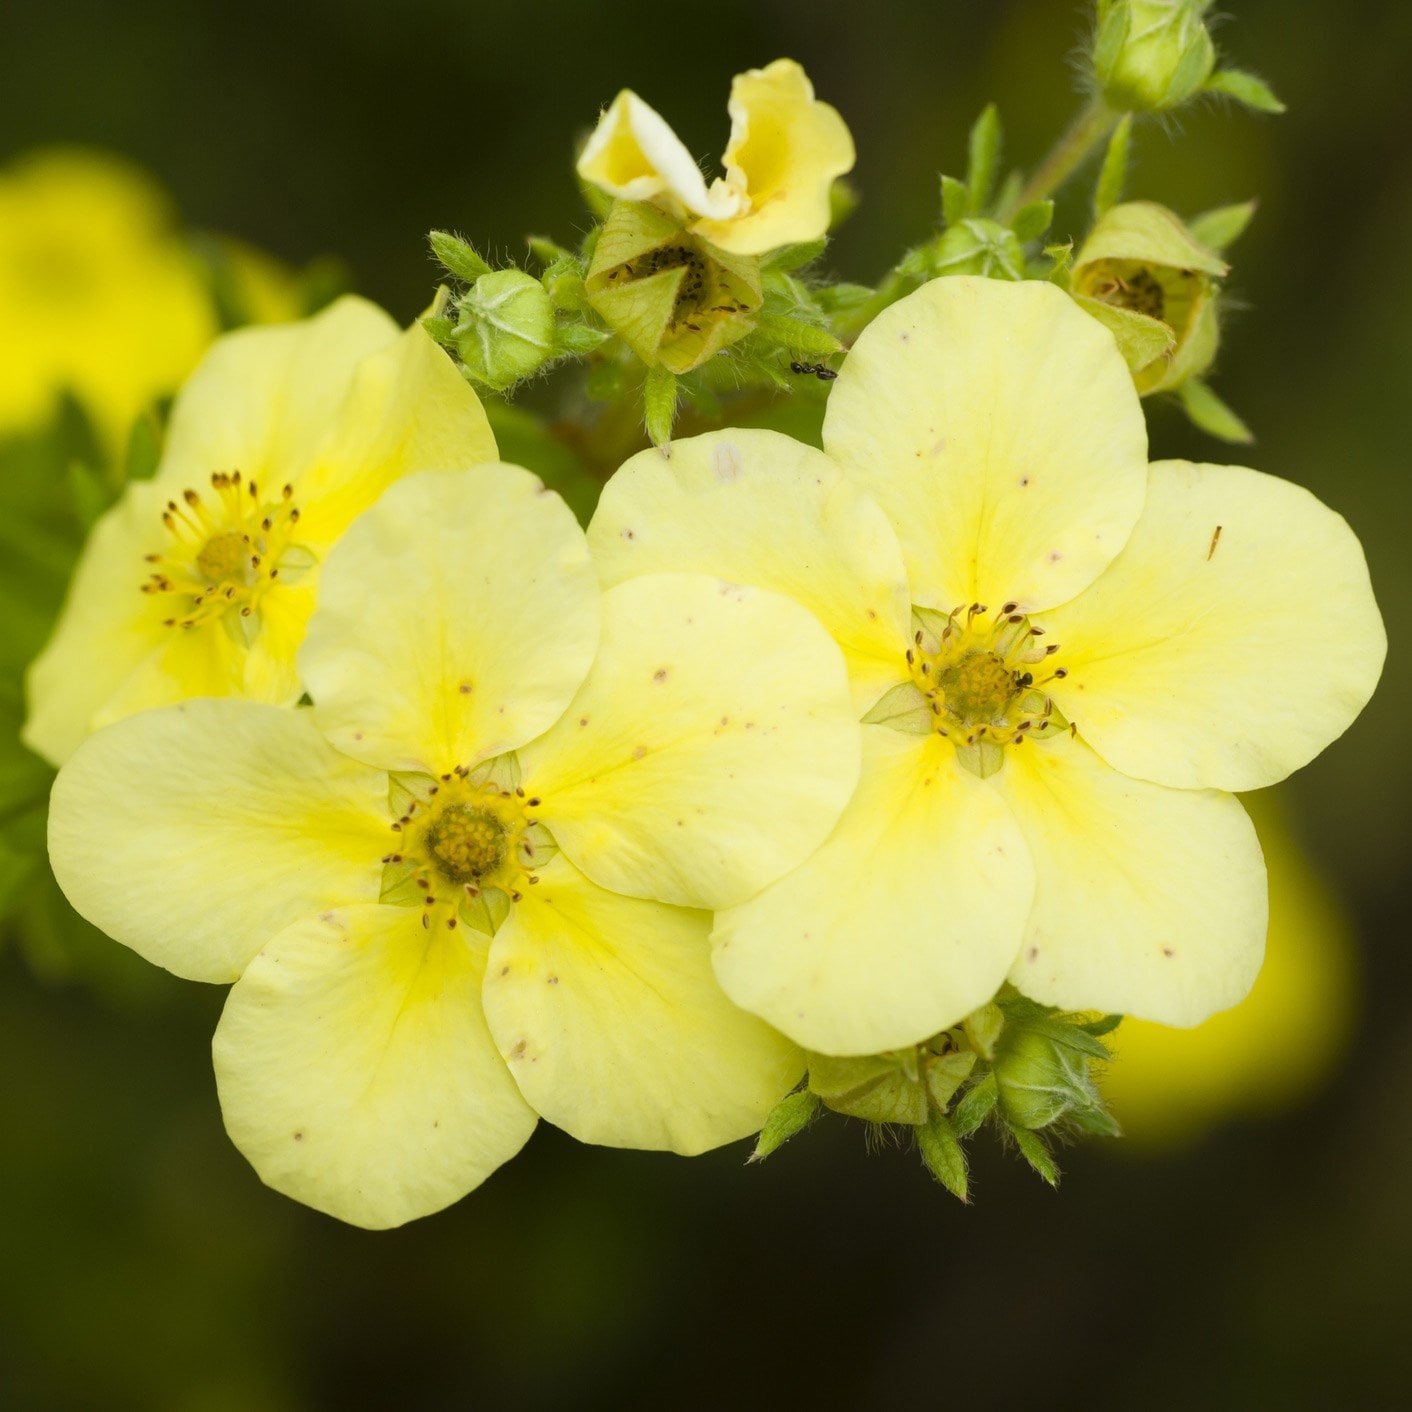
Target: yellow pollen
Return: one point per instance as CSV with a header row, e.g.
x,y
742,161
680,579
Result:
x,y
983,675
226,547
224,558
467,844
978,688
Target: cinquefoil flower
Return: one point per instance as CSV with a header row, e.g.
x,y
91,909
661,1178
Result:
x,y
431,889
1096,652
98,295
200,581
785,150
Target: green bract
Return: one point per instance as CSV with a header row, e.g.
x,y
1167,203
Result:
x,y
1143,275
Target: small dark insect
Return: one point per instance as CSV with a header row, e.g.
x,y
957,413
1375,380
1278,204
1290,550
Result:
x,y
818,369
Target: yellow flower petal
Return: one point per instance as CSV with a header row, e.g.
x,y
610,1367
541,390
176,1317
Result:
x,y
194,833
613,1025
106,630
263,399
997,426
405,410
1233,638
709,750
905,921
356,1072
634,155
1273,1049
316,430
1148,901
456,620
760,508
786,149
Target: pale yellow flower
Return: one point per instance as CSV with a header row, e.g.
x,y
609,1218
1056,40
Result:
x,y
99,296
786,149
200,581
470,885
1098,651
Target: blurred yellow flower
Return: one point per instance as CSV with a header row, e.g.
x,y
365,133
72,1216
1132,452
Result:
x,y
1275,1048
785,150
199,582
99,295
471,884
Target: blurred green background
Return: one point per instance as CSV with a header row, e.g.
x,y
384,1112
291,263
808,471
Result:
x,y
142,1265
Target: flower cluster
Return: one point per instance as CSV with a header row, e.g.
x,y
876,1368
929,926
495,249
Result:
x,y
884,766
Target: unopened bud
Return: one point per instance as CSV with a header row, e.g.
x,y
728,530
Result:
x,y
1149,55
1040,1078
977,246
505,328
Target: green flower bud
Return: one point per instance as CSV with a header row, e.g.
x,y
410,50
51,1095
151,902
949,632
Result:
x,y
505,328
1149,55
977,246
674,299
1040,1078
1144,276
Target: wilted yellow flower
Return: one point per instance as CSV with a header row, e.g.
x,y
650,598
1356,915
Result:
x,y
99,296
434,886
1144,276
1070,657
785,150
200,581
1273,1049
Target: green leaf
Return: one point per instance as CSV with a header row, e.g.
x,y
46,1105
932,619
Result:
x,y
92,495
1223,226
983,1028
144,448
1030,222
659,404
1037,1154
795,257
1245,88
1106,1025
834,298
548,252
975,1106
575,340
442,330
458,256
943,1155
798,336
789,1116
524,440
955,201
1140,337
945,1073
1208,412
1114,172
984,158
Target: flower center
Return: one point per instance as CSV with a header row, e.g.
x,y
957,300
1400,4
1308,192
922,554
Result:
x,y
225,551
469,843
466,843
974,668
